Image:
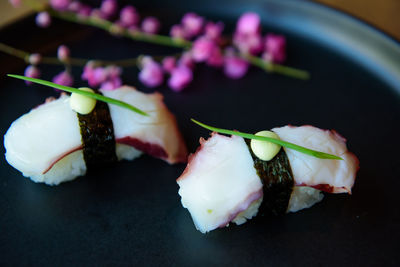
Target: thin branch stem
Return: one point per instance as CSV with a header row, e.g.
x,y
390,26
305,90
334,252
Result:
x,y
14,52
118,30
272,67
71,61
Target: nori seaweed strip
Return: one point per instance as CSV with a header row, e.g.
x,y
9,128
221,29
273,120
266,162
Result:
x,y
277,178
97,133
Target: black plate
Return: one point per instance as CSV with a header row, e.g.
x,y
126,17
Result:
x,y
131,214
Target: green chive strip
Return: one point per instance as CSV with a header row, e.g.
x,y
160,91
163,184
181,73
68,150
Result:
x,y
81,92
301,149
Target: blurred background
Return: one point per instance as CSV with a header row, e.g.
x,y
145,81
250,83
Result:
x,y
381,14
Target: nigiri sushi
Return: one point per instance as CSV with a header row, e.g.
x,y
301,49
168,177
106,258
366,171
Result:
x,y
54,144
224,181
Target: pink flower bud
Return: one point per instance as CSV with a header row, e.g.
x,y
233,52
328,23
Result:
x,y
177,31
181,76
74,6
275,48
60,5
235,67
35,59
84,10
134,29
169,63
192,24
129,16
113,72
15,3
63,53
32,72
213,30
64,78
151,25
109,8
202,49
186,60
111,84
43,19
248,23
151,74
248,43
96,13
94,76
216,58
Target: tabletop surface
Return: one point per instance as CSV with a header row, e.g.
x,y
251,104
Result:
x,y
381,14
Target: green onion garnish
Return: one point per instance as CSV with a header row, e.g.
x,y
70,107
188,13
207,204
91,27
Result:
x,y
81,92
301,149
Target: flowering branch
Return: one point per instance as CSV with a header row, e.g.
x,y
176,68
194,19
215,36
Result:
x,y
172,42
201,41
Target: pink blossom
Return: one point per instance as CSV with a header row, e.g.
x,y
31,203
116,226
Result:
x,y
43,19
111,84
80,8
213,30
169,63
15,3
151,25
60,5
177,31
275,48
202,49
192,24
96,13
74,6
216,58
129,16
107,77
94,75
248,43
187,60
35,58
109,8
84,10
32,72
134,28
247,37
248,24
113,72
151,74
235,67
181,76
63,78
63,53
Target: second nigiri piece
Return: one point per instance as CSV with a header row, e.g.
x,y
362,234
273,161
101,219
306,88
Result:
x,y
225,181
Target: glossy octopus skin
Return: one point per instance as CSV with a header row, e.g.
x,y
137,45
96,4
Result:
x,y
219,182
